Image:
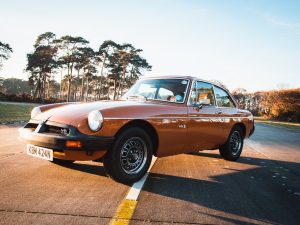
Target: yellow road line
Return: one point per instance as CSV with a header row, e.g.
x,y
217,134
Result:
x,y
126,208
137,187
124,212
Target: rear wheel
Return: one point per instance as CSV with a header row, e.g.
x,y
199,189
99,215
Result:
x,y
130,156
232,149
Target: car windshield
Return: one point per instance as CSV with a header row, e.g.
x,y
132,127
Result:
x,y
170,90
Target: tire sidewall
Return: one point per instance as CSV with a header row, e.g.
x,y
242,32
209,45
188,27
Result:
x,y
112,161
226,149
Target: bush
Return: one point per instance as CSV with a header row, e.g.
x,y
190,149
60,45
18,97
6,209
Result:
x,y
27,98
283,105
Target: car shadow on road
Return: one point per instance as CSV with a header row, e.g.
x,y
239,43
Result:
x,y
291,166
86,168
239,196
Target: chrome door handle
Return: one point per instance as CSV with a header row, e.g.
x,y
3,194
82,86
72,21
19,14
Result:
x,y
219,112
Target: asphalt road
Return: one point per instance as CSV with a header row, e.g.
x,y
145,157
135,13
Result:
x,y
263,187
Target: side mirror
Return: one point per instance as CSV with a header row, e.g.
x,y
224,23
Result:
x,y
201,103
198,105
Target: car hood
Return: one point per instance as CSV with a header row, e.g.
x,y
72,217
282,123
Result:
x,y
68,114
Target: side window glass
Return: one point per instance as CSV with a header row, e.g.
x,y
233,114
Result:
x,y
202,93
223,99
205,93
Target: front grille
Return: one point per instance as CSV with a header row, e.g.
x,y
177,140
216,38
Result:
x,y
50,129
31,126
56,130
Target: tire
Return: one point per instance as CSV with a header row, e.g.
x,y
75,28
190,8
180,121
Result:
x,y
233,147
62,162
130,156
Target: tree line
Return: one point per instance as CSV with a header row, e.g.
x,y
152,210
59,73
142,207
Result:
x,y
84,73
276,104
88,74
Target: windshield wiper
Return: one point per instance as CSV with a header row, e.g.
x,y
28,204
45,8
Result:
x,y
137,97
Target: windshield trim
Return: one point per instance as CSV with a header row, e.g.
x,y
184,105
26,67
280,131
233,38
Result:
x,y
175,78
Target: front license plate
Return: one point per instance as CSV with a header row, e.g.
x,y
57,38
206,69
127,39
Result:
x,y
43,153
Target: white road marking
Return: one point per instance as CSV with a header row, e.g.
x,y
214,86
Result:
x,y
136,188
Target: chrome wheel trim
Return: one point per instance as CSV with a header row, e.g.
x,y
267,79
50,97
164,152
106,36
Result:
x,y
235,142
133,155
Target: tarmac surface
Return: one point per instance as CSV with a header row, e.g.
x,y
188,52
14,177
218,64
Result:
x,y
262,187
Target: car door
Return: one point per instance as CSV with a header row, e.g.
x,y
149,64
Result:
x,y
205,124
171,114
227,108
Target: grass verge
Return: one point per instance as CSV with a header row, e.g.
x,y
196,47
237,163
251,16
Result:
x,y
291,126
15,112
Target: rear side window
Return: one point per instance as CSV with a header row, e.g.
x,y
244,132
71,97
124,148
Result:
x,y
222,98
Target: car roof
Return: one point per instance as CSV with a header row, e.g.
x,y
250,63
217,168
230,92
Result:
x,y
220,85
185,77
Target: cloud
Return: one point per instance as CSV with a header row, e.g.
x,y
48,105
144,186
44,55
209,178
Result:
x,y
279,22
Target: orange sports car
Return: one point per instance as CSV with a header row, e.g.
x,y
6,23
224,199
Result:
x,y
159,116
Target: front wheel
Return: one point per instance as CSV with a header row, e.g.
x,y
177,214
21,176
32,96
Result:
x,y
232,149
130,156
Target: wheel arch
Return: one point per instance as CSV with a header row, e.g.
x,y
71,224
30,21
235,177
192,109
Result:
x,y
145,125
242,126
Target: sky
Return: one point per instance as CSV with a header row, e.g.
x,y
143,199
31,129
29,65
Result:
x,y
244,44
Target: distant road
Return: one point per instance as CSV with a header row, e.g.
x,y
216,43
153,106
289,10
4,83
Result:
x,y
262,187
278,143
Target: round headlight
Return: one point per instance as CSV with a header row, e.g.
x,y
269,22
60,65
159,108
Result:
x,y
35,111
250,118
95,120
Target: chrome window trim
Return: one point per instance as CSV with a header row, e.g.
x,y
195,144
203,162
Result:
x,y
192,79
191,89
217,106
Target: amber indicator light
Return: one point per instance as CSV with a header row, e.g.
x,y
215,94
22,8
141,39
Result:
x,y
73,144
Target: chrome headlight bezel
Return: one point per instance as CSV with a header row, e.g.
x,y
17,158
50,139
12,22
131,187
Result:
x,y
35,111
250,118
95,120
